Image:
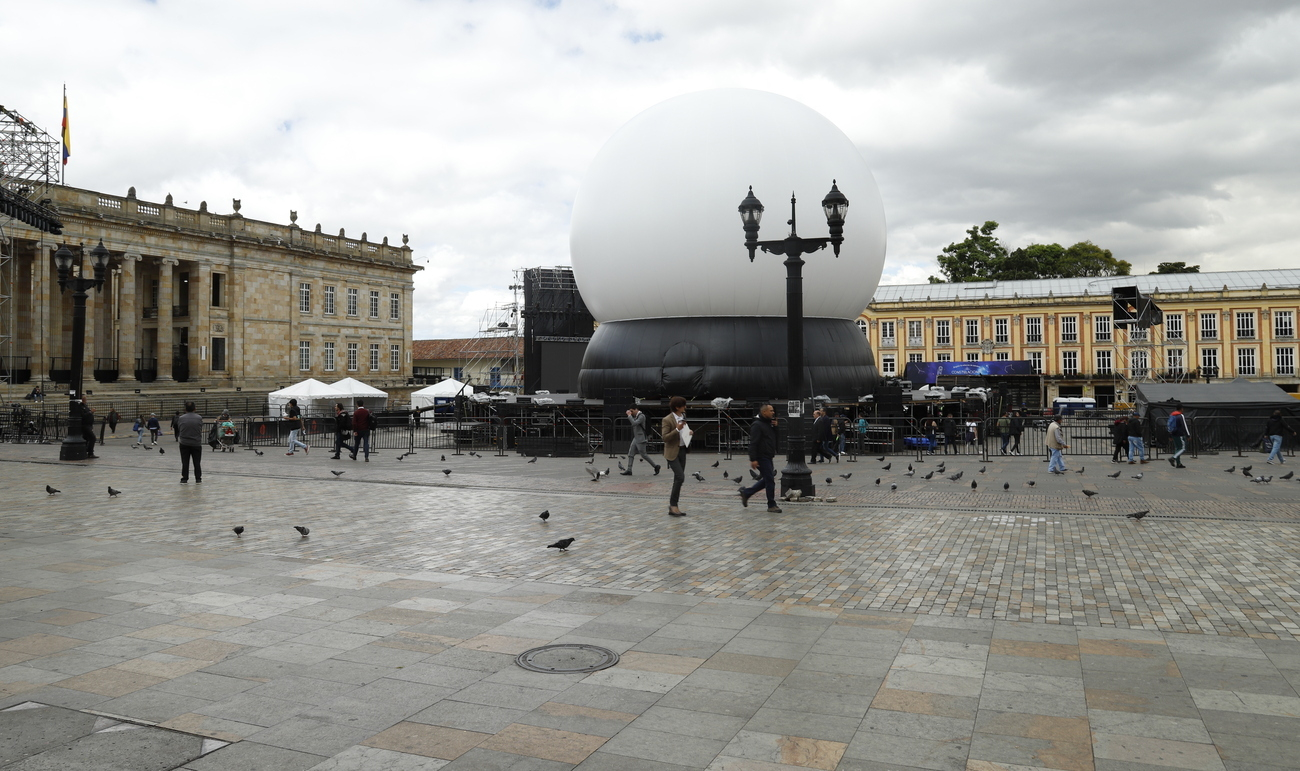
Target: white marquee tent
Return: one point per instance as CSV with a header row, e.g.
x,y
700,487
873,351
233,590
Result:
x,y
447,389
314,397
352,389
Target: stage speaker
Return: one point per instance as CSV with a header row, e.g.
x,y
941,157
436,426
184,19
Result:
x,y
889,400
618,401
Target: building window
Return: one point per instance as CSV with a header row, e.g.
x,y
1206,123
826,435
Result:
x,y
374,304
1285,361
1002,356
218,290
304,355
1033,329
1101,328
352,357
1139,362
218,354
329,301
915,335
1036,362
458,373
915,357
1210,362
304,298
1136,334
329,357
352,302
1246,361
887,337
862,326
943,357
1173,326
395,357
1069,329
394,306
888,365
943,332
1174,359
1210,326
973,332
1245,325
973,356
494,377
1069,362
1104,362
1283,324
374,357
1001,331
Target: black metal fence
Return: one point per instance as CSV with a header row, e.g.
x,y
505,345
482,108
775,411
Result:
x,y
22,424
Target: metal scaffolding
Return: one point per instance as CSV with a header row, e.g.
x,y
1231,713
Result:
x,y
498,340
30,162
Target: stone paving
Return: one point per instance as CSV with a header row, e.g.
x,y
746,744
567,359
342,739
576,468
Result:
x,y
975,630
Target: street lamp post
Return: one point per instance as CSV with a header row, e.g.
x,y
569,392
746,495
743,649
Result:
x,y
74,446
796,474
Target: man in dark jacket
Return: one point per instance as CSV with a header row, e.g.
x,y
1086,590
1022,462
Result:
x,y
88,427
189,433
361,429
342,427
1277,430
762,449
1136,444
1178,432
1119,437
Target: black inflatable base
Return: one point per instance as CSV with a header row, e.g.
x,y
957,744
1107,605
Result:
x,y
741,357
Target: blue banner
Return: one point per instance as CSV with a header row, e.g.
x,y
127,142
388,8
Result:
x,y
920,372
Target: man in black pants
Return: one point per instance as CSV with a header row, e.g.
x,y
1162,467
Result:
x,y
342,427
88,427
762,449
189,433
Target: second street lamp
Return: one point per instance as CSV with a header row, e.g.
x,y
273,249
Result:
x,y
74,446
796,474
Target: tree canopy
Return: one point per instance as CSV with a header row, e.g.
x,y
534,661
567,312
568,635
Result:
x,y
981,257
1175,267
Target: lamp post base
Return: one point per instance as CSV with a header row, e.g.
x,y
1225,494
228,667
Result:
x,y
796,475
73,448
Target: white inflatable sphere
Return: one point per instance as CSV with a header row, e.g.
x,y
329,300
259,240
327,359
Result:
x,y
655,230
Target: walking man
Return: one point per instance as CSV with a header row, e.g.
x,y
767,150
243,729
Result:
x,y
1178,432
637,419
1056,443
361,420
1276,430
190,436
293,417
1004,428
672,430
88,427
1119,437
1017,428
762,449
342,427
1136,446
155,430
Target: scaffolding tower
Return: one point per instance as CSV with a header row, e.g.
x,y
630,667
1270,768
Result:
x,y
498,332
1141,350
30,162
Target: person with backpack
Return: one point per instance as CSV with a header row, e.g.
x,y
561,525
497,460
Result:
x,y
362,424
342,428
1119,437
1177,427
1276,430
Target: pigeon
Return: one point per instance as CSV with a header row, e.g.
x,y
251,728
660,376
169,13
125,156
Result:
x,y
442,459
399,457
605,473
620,466
1079,470
909,467
545,515
563,544
1257,479
957,476
1287,475
1138,514
886,467
1115,475
877,480
1247,468
1089,493
930,475
1267,479
239,530
909,474
534,460
595,475
828,480
51,490
881,458
725,475
593,460
304,531
1138,475
161,451
337,473
715,464
757,476
446,472
1006,485
258,452
113,493
893,487
698,476
738,480
983,469
974,484
1030,483
1230,470
845,477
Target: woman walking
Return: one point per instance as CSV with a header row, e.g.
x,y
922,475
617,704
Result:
x,y
673,429
293,417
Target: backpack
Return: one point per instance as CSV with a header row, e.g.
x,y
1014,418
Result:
x,y
344,421
1172,424
371,421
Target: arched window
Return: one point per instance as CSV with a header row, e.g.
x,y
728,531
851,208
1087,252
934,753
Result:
x,y
862,325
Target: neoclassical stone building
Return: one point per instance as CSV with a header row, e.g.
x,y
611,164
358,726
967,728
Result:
x,y
205,300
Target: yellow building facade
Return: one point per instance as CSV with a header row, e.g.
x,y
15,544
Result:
x,y
1215,325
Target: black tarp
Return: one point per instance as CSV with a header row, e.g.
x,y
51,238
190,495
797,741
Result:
x,y
1221,416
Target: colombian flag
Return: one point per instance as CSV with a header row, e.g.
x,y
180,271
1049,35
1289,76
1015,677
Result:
x,y
67,132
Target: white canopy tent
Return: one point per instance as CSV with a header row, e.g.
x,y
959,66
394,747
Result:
x,y
447,389
352,389
314,397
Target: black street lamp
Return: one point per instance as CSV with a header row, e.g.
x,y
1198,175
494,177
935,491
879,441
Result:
x,y
796,474
74,446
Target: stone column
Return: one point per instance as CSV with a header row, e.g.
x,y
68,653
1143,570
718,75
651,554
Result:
x,y
50,312
129,318
164,351
94,301
200,331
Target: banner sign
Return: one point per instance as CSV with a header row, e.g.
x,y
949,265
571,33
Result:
x,y
929,371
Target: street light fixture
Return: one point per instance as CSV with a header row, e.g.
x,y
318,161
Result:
x,y
74,446
796,474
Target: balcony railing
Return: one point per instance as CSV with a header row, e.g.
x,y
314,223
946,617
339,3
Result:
x,y
180,311
149,313
16,369
889,342
916,342
146,370
106,370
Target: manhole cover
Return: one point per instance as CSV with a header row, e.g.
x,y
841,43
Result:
x,y
567,659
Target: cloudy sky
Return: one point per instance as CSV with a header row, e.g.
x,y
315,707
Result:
x,y
1159,130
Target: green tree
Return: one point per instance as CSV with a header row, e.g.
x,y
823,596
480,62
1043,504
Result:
x,y
1033,261
974,259
1087,259
1175,267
